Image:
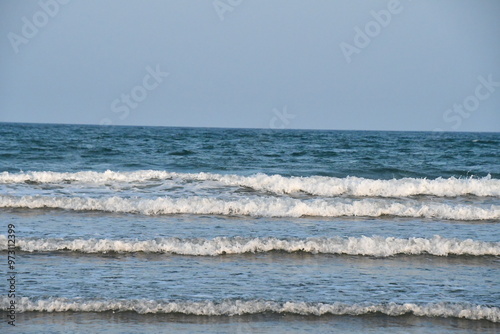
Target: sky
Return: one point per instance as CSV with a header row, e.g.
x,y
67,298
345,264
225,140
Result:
x,y
430,65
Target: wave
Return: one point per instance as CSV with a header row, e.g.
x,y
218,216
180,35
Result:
x,y
258,207
314,185
367,246
242,307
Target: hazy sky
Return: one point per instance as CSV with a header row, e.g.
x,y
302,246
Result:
x,y
367,65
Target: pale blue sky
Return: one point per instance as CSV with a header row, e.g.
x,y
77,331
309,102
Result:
x,y
89,61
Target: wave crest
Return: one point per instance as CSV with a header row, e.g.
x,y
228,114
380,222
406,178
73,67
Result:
x,y
314,185
366,246
241,307
259,207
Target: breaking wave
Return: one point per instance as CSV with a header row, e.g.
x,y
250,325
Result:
x,y
314,185
259,207
368,246
242,307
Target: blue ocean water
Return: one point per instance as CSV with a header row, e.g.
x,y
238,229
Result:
x,y
156,229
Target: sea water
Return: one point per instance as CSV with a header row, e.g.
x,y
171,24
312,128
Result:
x,y
198,230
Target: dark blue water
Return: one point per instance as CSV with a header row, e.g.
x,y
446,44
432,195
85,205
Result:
x,y
156,229
370,154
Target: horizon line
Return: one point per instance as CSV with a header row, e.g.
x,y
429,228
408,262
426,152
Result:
x,y
238,128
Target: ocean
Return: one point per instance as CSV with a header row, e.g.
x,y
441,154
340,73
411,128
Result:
x,y
208,230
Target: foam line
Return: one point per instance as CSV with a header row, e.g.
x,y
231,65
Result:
x,y
258,207
314,185
369,246
241,307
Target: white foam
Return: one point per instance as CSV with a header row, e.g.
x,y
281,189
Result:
x,y
371,246
241,307
314,185
258,206
355,186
